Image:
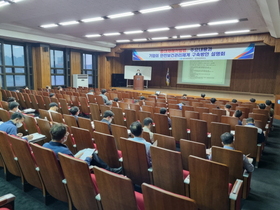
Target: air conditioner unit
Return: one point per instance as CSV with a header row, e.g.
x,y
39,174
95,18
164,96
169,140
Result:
x,y
80,80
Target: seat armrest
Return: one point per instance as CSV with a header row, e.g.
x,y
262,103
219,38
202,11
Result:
x,y
150,169
5,199
98,197
187,180
121,159
246,174
151,176
236,189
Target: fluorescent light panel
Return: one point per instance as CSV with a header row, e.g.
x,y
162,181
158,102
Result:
x,y
158,29
174,37
49,25
237,32
155,9
15,1
92,19
160,38
92,35
188,26
3,3
123,40
121,15
223,22
69,23
209,34
139,40
191,3
185,36
112,34
133,32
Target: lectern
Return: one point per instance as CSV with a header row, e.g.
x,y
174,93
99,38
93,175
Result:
x,y
138,82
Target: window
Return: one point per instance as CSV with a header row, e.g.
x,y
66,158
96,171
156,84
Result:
x,y
89,65
58,68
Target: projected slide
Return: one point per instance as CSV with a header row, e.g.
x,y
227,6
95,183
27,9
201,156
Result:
x,y
204,72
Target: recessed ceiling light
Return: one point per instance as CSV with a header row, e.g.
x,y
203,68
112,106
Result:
x,y
159,38
174,37
191,3
237,32
15,1
92,19
4,3
155,9
121,15
49,25
123,40
92,35
209,34
185,36
158,29
133,32
69,23
139,40
223,22
112,34
188,26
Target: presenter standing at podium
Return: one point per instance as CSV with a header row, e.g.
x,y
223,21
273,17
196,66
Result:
x,y
138,72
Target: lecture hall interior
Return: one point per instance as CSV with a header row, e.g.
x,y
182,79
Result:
x,y
223,48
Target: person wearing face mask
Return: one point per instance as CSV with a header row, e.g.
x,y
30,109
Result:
x,y
10,127
107,118
59,136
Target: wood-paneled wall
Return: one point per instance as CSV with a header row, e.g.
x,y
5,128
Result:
x,y
259,75
75,59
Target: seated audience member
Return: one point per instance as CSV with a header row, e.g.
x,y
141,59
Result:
x,y
269,103
202,95
26,88
142,99
75,111
11,126
105,98
11,99
91,92
53,107
234,101
107,118
52,95
181,104
227,108
261,106
184,96
252,100
48,88
251,123
116,100
238,114
13,106
148,124
227,141
163,111
60,88
136,130
59,137
213,100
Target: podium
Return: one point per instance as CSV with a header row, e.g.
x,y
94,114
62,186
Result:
x,y
138,82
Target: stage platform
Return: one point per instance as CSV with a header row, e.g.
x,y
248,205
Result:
x,y
222,95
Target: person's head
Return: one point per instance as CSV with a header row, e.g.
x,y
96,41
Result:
x,y
103,91
238,113
234,101
162,111
136,128
53,106
202,95
262,106
250,120
268,102
227,106
148,122
13,106
184,95
74,110
227,138
142,98
213,100
52,95
108,115
26,88
59,132
17,118
138,70
116,99
252,100
11,99
48,87
60,88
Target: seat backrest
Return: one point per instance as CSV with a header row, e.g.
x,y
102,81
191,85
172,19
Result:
x,y
84,105
211,106
118,118
75,100
101,127
45,127
246,140
116,191
147,108
67,98
232,121
161,122
104,108
261,111
199,131
201,110
47,101
27,100
191,148
179,128
31,124
209,183
107,149
41,103
135,161
173,106
26,161
167,142
168,176
82,138
217,129
34,102
187,108
85,124
175,113
70,120
64,106
4,115
245,111
209,118
44,114
80,183
189,115
130,116
57,117
94,111
143,115
157,198
261,117
232,158
219,113
119,131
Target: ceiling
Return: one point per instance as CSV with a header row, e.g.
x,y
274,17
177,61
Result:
x,y
22,20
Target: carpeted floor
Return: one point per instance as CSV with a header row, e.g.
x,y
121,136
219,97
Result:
x,y
265,185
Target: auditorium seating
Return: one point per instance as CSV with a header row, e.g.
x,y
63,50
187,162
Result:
x,y
167,142
7,202
82,138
